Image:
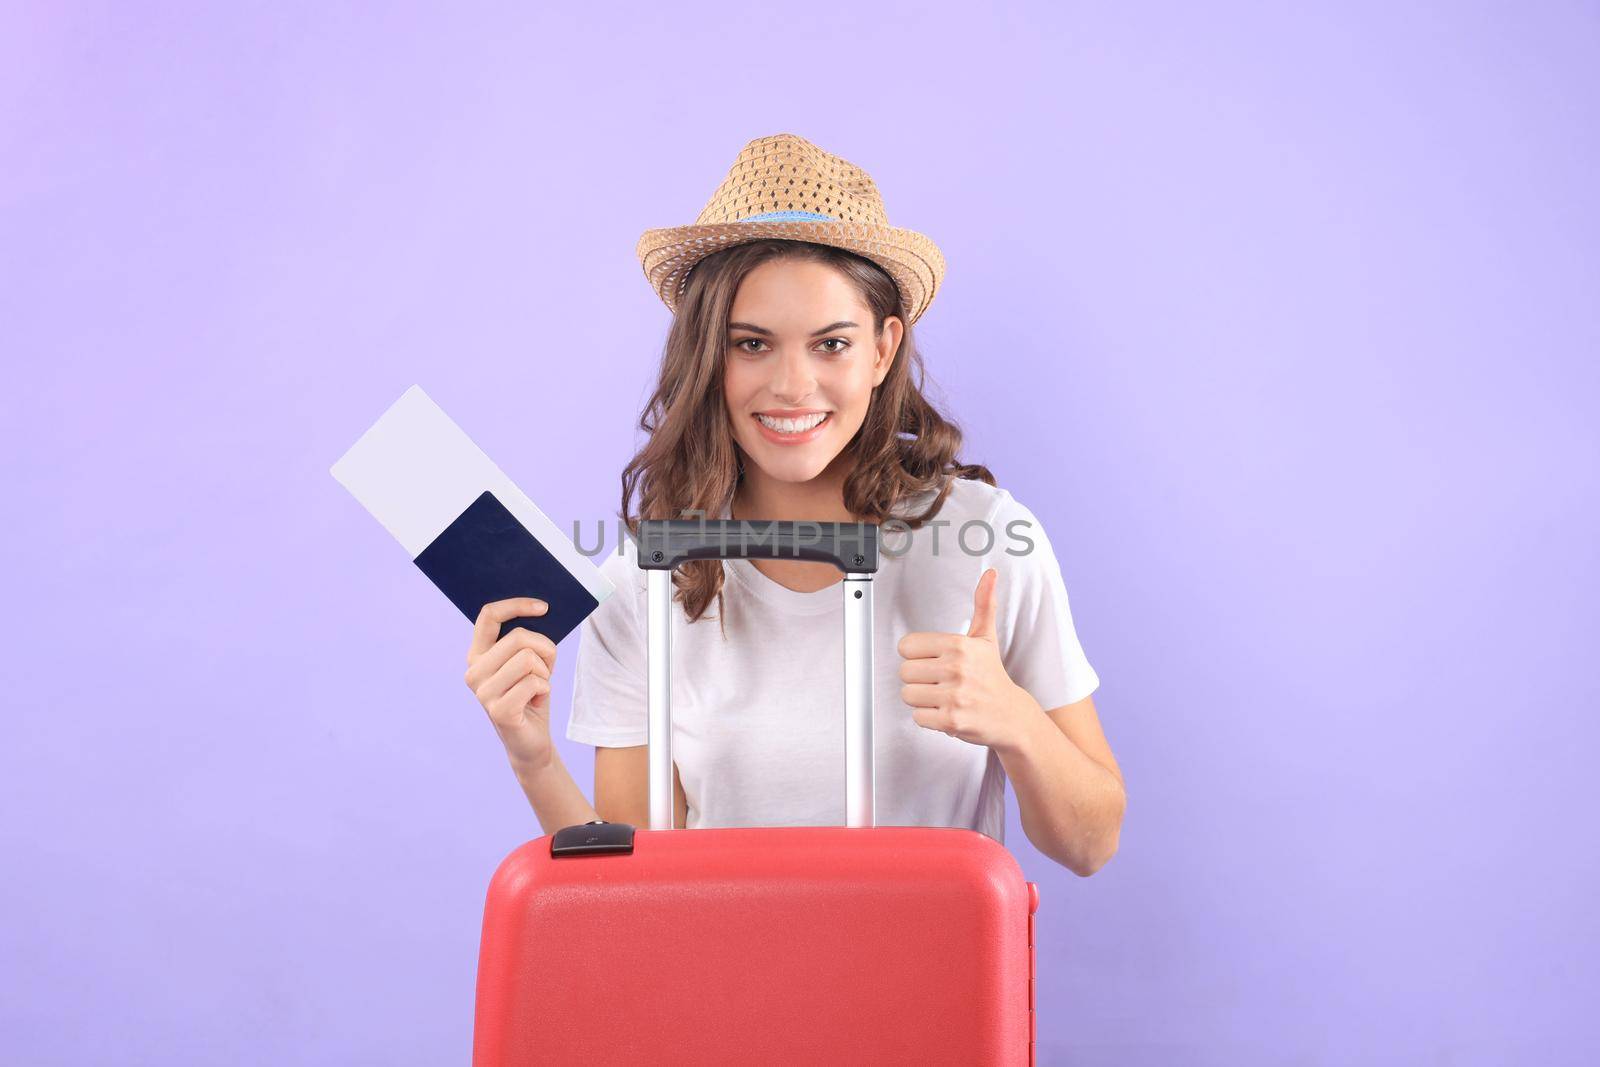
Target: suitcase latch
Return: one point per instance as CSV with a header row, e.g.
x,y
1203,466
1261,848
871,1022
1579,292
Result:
x,y
592,838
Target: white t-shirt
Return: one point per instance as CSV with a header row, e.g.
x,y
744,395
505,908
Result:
x,y
758,716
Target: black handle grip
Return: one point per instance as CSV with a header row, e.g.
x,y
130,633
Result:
x,y
850,546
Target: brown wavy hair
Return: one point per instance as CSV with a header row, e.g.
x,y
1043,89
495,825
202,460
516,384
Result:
x,y
691,462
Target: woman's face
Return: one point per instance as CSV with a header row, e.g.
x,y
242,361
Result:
x,y
801,365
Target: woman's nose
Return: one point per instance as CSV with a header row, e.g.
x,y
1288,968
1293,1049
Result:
x,y
792,380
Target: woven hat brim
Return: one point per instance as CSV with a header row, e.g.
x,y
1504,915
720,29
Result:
x,y
912,259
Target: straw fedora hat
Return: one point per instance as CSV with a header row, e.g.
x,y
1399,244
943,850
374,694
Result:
x,y
786,187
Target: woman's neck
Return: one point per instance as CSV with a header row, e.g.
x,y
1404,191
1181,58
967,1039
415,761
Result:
x,y
759,496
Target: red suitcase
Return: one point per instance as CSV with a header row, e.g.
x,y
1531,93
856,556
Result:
x,y
790,945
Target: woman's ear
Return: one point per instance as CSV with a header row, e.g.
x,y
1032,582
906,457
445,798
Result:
x,y
888,348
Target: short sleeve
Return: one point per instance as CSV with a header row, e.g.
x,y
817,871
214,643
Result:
x,y
1033,620
610,701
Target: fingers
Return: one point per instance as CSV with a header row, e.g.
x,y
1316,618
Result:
x,y
932,719
924,696
518,640
523,672
923,645
929,671
541,644
486,629
506,709
525,662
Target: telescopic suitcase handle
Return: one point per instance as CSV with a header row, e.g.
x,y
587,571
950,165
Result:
x,y
663,544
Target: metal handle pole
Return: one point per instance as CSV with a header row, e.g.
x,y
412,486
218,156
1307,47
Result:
x,y
858,740
659,639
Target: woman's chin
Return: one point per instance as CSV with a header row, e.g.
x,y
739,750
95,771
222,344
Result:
x,y
800,464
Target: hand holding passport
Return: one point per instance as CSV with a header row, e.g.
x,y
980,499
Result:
x,y
463,522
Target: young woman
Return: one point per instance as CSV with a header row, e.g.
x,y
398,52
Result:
x,y
791,388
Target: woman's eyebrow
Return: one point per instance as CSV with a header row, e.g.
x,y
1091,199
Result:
x,y
753,328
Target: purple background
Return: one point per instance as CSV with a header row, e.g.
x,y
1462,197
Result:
x,y
1285,323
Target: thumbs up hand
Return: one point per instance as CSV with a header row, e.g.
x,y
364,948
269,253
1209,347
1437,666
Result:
x,y
956,683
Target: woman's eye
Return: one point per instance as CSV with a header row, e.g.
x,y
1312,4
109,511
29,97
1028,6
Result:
x,y
740,345
840,341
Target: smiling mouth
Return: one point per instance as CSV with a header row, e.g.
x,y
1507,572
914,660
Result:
x,y
799,425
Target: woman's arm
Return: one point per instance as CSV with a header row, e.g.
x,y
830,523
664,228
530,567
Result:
x,y
556,798
1069,787
622,787
620,790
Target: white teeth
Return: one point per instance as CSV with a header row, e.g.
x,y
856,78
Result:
x,y
799,425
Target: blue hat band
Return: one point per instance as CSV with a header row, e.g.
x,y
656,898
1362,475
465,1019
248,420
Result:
x,y
789,216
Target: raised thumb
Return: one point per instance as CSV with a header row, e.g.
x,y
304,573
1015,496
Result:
x,y
983,605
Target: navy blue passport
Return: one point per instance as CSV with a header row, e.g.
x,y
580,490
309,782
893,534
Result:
x,y
487,555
